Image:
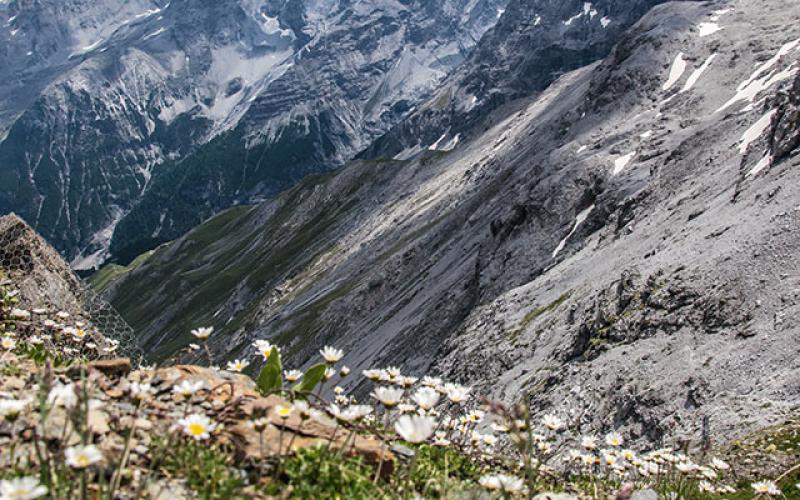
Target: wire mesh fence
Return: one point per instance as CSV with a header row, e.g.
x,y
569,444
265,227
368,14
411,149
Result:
x,y
45,281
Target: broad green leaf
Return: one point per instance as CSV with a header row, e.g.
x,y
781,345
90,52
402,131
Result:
x,y
311,378
269,379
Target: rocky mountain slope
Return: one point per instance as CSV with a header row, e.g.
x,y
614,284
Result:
x,y
106,106
532,45
628,234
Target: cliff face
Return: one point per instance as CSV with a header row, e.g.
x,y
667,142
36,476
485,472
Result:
x,y
627,233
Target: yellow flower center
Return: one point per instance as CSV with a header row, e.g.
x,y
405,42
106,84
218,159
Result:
x,y
196,429
82,461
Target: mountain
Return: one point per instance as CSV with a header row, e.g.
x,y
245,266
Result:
x,y
626,235
534,43
139,119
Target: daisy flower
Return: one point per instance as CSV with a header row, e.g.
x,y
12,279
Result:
x,y
23,488
456,393
719,464
426,398
552,422
187,388
11,408
292,375
8,343
331,354
264,347
140,391
197,426
415,429
203,333
502,482
81,457
766,488
388,396
283,411
614,439
351,413
344,371
237,365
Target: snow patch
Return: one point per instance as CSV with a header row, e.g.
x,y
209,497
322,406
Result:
x,y
706,29
579,219
537,21
675,71
755,131
646,134
622,162
582,149
154,34
765,162
761,80
698,73
605,21
587,11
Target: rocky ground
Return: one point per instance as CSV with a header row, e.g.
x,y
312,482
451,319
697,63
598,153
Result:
x,y
78,421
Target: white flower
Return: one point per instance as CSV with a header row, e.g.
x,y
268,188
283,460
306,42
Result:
x,y
500,427
393,372
552,422
203,333
426,398
197,426
719,464
39,311
237,365
349,414
406,381
49,323
11,408
706,486
292,375
194,347
305,410
329,373
20,314
489,439
63,395
283,412
432,382
686,467
766,488
502,482
62,315
187,388
372,374
344,371
388,396
8,343
140,391
456,393
406,408
264,347
441,439
23,488
80,457
614,439
415,428
331,354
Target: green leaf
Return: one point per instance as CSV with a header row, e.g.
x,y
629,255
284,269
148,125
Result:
x,y
269,379
311,378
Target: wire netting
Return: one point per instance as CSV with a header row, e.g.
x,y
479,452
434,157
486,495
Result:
x,y
45,281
